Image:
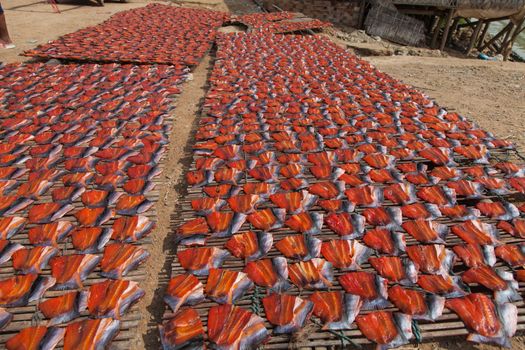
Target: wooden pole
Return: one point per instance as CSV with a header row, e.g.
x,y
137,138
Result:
x,y
474,37
433,44
453,29
483,35
505,43
496,37
517,31
447,29
361,20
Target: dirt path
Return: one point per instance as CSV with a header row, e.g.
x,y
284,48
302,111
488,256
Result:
x,y
176,162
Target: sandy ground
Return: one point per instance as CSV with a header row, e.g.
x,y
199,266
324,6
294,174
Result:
x,y
176,163
490,93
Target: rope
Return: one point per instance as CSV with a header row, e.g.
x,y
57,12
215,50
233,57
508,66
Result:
x,y
36,318
256,301
340,335
416,331
518,154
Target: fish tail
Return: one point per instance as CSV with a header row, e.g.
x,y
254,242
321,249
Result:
x,y
435,304
237,222
8,251
399,241
352,307
308,201
110,332
265,242
53,336
404,328
448,262
442,231
358,221
336,174
129,301
318,223
244,285
512,211
433,210
314,246
510,294
103,239
173,302
348,206
340,185
20,204
411,271
42,284
61,212
5,318
478,338
508,315
381,285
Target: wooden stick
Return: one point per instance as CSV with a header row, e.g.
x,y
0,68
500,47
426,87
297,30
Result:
x,y
361,20
496,37
436,32
481,39
474,37
508,35
447,30
508,48
453,29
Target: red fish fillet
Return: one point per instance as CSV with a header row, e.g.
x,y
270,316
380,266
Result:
x,y
183,290
344,254
198,261
303,247
185,329
270,273
231,327
71,270
385,328
250,245
90,334
112,298
312,274
287,312
193,232
226,286
35,338
335,309
120,258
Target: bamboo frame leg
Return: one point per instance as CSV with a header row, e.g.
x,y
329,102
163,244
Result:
x,y
453,29
436,32
483,35
447,30
517,30
474,37
496,37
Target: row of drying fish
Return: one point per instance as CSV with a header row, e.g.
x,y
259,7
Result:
x,y
67,271
232,327
301,136
88,98
419,220
89,137
441,186
278,22
155,33
427,266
